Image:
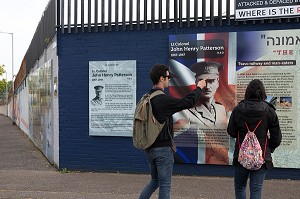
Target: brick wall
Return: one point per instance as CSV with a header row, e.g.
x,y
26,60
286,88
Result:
x,y
78,150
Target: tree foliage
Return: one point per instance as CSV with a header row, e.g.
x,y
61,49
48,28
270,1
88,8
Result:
x,y
3,86
2,71
4,83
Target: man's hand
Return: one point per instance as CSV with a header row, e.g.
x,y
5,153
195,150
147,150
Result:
x,y
202,83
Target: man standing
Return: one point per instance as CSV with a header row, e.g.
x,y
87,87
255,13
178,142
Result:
x,y
160,153
205,124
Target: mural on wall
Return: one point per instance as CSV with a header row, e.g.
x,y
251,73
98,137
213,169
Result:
x,y
232,60
40,112
112,97
200,132
21,108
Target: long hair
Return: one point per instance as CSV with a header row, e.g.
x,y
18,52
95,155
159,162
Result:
x,y
255,90
157,71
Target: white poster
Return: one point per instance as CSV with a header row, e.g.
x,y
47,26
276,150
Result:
x,y
257,9
112,97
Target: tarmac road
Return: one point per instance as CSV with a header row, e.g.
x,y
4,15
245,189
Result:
x,y
26,173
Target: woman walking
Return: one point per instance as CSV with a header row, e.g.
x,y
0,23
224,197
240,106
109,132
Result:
x,y
254,114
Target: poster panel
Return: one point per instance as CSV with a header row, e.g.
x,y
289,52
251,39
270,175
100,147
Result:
x,y
272,56
274,59
40,113
112,97
200,132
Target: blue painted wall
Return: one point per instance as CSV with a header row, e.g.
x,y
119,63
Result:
x,y
78,150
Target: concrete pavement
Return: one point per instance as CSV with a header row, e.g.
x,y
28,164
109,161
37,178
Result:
x,y
26,173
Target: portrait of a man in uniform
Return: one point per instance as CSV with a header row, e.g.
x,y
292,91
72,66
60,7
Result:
x,y
97,100
207,110
202,124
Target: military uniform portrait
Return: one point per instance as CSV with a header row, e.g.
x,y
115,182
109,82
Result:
x,y
97,100
202,127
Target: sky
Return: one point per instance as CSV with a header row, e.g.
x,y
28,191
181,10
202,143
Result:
x,y
20,17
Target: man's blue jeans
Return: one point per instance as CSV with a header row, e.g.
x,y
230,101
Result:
x,y
256,182
161,161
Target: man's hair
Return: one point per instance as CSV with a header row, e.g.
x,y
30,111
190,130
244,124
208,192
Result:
x,y
157,71
255,90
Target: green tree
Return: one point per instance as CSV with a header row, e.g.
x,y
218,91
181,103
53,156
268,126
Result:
x,y
2,71
3,84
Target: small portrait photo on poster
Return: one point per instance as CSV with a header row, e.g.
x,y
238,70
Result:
x,y
97,100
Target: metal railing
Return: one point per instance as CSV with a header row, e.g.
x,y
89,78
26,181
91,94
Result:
x,y
77,16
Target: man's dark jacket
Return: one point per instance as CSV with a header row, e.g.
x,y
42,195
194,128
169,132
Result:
x,y
164,106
